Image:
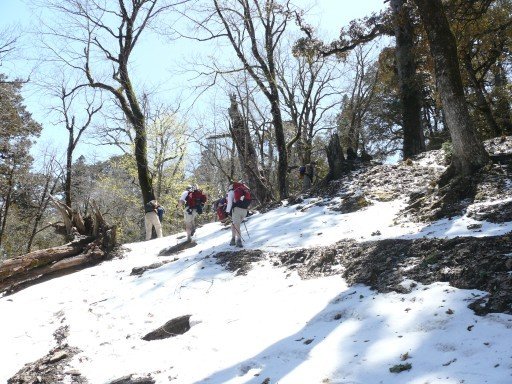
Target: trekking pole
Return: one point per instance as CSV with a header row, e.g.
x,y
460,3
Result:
x,y
249,236
238,232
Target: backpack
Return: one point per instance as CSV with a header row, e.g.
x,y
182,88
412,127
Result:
x,y
160,212
241,195
302,171
221,208
149,207
195,200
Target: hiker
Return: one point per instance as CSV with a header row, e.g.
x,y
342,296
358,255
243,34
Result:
x,y
151,219
193,200
219,207
239,199
306,173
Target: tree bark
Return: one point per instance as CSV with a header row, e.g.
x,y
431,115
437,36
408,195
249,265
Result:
x,y
138,121
503,108
247,153
414,141
334,158
469,153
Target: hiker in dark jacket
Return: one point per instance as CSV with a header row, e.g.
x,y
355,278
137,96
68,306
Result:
x,y
151,219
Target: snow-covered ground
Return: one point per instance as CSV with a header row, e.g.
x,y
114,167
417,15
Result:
x,y
267,324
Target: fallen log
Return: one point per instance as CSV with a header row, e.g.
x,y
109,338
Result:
x,y
40,258
90,245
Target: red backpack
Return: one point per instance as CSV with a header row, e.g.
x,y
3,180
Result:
x,y
195,199
242,195
221,208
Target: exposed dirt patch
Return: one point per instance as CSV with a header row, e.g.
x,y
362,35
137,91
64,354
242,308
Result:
x,y
464,262
486,196
240,261
52,368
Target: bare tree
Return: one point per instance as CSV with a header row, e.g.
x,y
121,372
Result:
x,y
358,101
167,143
100,32
8,40
74,121
247,152
310,92
49,180
254,30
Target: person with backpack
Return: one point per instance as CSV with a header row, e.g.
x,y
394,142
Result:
x,y
238,201
151,219
219,207
193,200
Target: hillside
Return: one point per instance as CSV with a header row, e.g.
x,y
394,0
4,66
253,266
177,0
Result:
x,y
376,279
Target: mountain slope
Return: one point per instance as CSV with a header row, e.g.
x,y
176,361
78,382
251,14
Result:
x,y
291,306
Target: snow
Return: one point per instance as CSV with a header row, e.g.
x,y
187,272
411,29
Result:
x,y
268,323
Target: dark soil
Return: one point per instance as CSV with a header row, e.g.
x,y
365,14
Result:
x,y
465,262
52,368
239,262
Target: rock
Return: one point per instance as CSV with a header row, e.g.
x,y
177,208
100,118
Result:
x,y
57,356
138,271
129,379
174,327
177,248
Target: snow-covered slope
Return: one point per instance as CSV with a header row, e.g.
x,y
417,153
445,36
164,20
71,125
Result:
x,y
267,326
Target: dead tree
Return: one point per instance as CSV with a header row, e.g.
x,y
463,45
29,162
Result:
x,y
91,241
335,159
247,153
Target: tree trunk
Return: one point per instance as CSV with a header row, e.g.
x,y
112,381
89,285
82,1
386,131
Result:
x,y
414,141
282,163
69,164
334,158
503,109
469,153
43,203
309,174
93,240
137,119
6,205
482,103
247,153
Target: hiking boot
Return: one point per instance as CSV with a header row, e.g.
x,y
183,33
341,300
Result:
x,y
239,243
232,242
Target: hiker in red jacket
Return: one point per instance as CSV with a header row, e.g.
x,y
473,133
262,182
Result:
x,y
239,199
193,200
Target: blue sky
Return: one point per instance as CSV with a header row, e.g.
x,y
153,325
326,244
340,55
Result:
x,y
157,61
